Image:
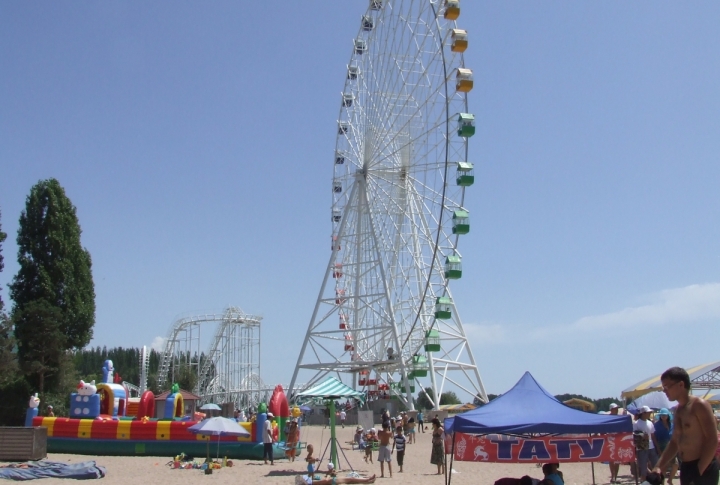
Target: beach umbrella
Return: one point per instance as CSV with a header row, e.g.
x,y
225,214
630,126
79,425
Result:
x,y
218,426
654,400
210,407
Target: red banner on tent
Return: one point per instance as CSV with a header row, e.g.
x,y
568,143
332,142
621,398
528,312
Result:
x,y
616,447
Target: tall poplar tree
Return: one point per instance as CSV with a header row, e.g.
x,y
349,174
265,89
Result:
x,y
3,236
8,364
55,272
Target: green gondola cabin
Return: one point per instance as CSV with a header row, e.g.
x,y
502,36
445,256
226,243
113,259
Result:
x,y
432,341
453,267
465,175
466,125
443,308
461,222
419,366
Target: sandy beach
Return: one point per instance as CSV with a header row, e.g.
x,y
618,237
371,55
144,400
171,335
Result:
x,y
417,467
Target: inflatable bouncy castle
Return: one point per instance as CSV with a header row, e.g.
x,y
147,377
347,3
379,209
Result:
x,y
100,424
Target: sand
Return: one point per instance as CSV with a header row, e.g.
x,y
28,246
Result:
x,y
417,467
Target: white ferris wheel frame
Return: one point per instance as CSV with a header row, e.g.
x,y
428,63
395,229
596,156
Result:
x,y
393,202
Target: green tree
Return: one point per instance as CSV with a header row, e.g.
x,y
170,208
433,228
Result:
x,y
54,267
449,398
425,398
478,402
3,236
8,361
38,328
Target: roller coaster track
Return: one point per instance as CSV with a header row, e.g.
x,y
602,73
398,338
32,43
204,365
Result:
x,y
229,324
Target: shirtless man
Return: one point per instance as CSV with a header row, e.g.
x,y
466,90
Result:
x,y
694,438
385,452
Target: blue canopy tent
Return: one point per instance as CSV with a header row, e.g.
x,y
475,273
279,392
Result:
x,y
529,410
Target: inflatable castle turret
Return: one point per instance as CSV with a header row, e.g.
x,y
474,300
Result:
x,y
174,405
279,407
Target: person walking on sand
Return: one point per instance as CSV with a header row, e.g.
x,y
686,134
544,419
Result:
x,y
385,452
268,439
421,423
399,445
437,457
614,466
663,433
694,439
292,439
647,448
343,415
411,430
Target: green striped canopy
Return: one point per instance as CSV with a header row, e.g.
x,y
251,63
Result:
x,y
331,389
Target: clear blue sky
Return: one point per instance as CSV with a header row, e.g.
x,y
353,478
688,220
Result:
x,y
196,140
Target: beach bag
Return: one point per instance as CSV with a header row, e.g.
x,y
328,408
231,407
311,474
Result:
x,y
641,440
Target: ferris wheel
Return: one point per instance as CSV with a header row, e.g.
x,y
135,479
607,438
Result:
x,y
385,314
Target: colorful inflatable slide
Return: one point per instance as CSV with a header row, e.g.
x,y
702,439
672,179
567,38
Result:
x,y
101,423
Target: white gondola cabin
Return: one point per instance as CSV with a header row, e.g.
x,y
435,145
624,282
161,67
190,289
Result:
x,y
459,40
353,72
338,270
376,4
347,99
464,80
336,217
339,158
360,46
337,186
343,127
367,23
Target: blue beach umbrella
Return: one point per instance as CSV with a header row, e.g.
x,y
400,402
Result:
x,y
218,426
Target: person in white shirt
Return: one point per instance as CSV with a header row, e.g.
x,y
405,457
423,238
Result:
x,y
342,418
268,439
646,454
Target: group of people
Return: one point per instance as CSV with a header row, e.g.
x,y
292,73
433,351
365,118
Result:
x,y
686,440
401,431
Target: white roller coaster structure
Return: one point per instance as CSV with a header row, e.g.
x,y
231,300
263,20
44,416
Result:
x,y
228,371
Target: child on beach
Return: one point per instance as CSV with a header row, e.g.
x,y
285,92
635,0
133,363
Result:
x,y
411,430
369,440
399,446
311,460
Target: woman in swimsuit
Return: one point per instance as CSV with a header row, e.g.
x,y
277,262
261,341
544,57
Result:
x,y
438,448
